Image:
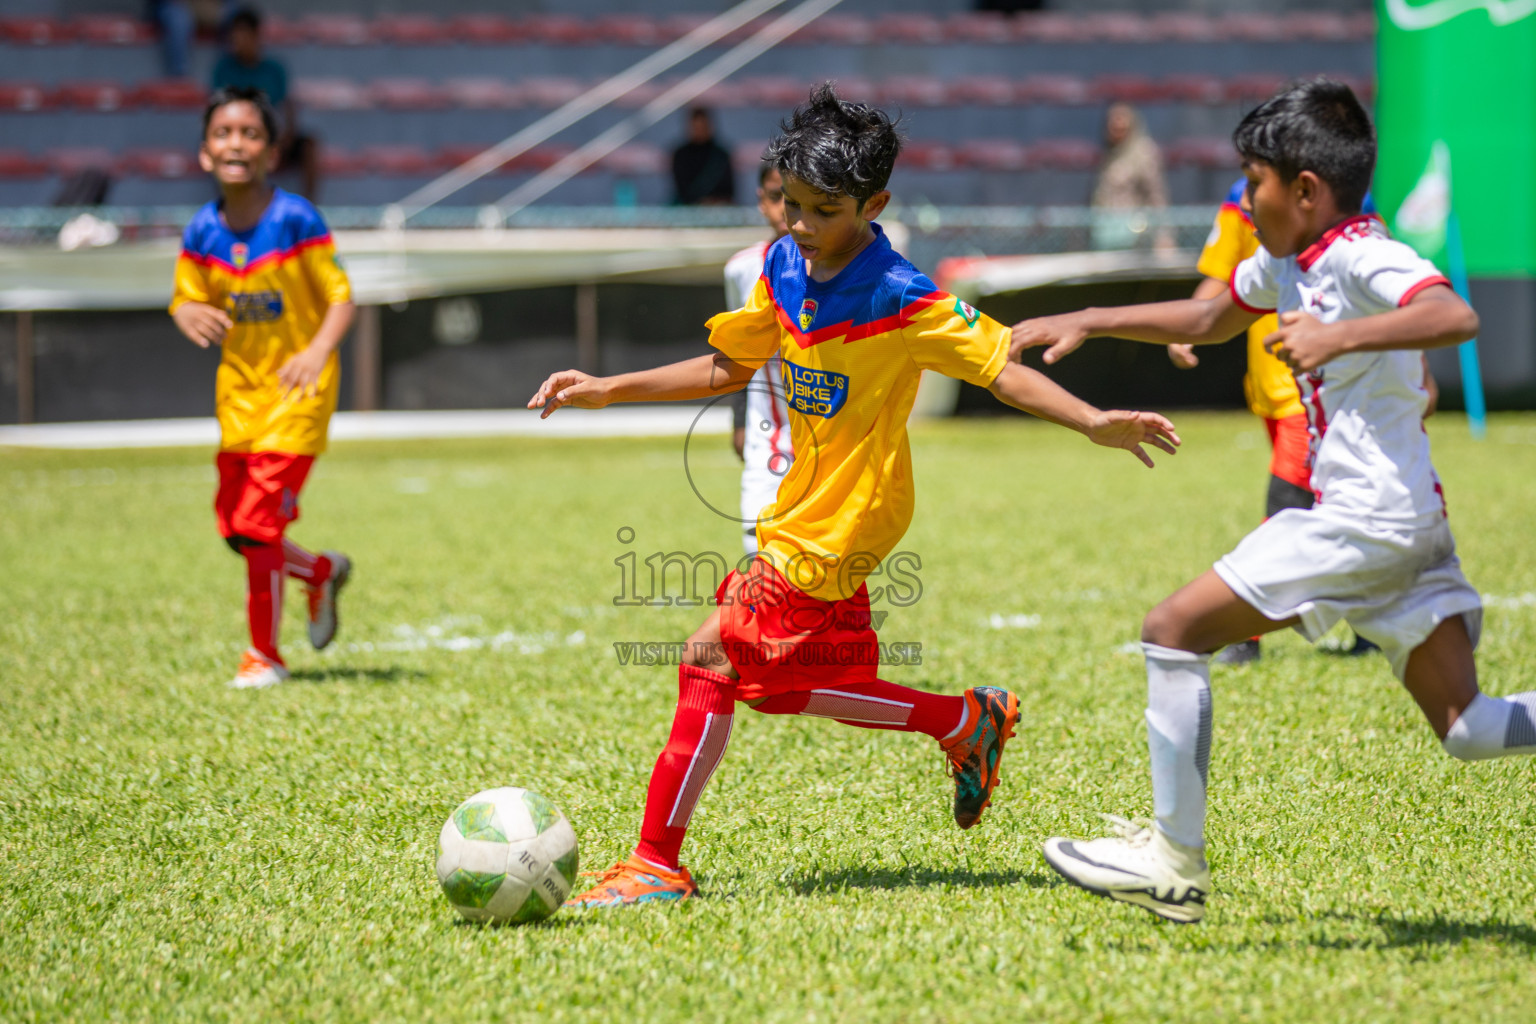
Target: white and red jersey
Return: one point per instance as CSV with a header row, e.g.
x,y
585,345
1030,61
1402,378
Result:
x,y
1365,410
767,451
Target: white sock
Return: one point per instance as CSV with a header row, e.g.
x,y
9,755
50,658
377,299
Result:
x,y
1179,738
1494,727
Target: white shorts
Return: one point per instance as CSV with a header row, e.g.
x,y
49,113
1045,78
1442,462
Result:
x,y
759,487
1394,586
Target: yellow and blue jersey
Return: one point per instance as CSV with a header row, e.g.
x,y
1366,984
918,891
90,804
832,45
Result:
x,y
275,281
852,350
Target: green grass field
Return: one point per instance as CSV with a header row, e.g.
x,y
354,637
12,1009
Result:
x,y
174,850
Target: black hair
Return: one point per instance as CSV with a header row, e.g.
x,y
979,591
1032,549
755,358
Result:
x,y
249,17
836,147
242,94
763,170
1316,126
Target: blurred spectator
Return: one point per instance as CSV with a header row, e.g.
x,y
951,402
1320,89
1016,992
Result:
x,y
701,167
174,21
1130,182
244,65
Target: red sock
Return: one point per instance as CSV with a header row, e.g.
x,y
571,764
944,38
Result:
x,y
264,596
304,565
701,727
876,705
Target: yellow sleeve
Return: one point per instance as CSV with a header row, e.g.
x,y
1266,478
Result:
x,y
951,337
749,335
324,267
191,283
1229,243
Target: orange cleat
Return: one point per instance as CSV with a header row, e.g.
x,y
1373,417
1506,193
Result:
x,y
636,881
257,671
990,713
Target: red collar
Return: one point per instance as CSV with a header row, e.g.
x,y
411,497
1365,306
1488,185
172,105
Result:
x,y
1314,252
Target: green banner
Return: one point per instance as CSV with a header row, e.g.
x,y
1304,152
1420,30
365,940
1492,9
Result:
x,y
1456,88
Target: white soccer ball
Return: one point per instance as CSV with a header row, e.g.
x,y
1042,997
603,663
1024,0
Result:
x,y
508,856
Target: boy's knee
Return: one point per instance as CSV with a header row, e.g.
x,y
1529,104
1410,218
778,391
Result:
x,y
238,544
1161,627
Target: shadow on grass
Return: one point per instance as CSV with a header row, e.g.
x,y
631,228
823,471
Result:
x,y
558,922
346,674
913,878
1398,932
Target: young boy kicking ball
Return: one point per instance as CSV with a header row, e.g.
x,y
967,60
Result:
x,y
853,325
1356,309
258,276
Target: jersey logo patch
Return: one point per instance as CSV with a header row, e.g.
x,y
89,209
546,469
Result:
x,y
967,312
814,392
256,307
807,314
239,252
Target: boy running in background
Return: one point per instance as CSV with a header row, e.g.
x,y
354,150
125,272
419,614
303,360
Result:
x,y
853,325
1356,310
258,275
762,436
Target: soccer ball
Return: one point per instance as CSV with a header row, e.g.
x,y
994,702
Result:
x,y
508,856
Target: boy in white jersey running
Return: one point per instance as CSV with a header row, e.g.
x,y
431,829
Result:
x,y
762,436
1356,309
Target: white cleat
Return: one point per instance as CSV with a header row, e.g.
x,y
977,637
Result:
x,y
1140,865
322,601
257,672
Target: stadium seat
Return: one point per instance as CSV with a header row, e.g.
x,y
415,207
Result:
x,y
74,159
560,30
645,92
1206,153
721,94
407,94
629,30
36,31
280,31
1062,90
98,96
1064,154
982,91
978,27
634,159
777,91
486,29
337,29
398,160
483,93
449,157
1328,26
1191,88
540,158
993,155
330,94
835,30
1253,88
411,29
915,29
546,92
170,94
336,162
925,155
1119,27
1181,27
162,162
1127,89
17,164
1051,28
914,91
1256,28
21,97
112,30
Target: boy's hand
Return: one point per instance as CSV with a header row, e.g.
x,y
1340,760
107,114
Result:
x,y
301,372
1304,342
1130,430
569,387
1183,356
203,324
1063,333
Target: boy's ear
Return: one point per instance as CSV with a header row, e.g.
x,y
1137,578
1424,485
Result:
x,y
1308,190
272,156
204,160
875,204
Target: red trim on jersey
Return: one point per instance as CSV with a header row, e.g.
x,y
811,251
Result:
x,y
209,260
1232,287
1428,282
1351,227
1318,417
846,329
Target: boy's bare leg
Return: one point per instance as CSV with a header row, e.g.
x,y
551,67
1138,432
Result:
x,y
1442,677
1204,615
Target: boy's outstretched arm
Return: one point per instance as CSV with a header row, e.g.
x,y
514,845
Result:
x,y
1434,318
1182,321
1035,393
701,377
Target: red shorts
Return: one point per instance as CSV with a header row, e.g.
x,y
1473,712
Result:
x,y
1291,460
781,640
259,493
